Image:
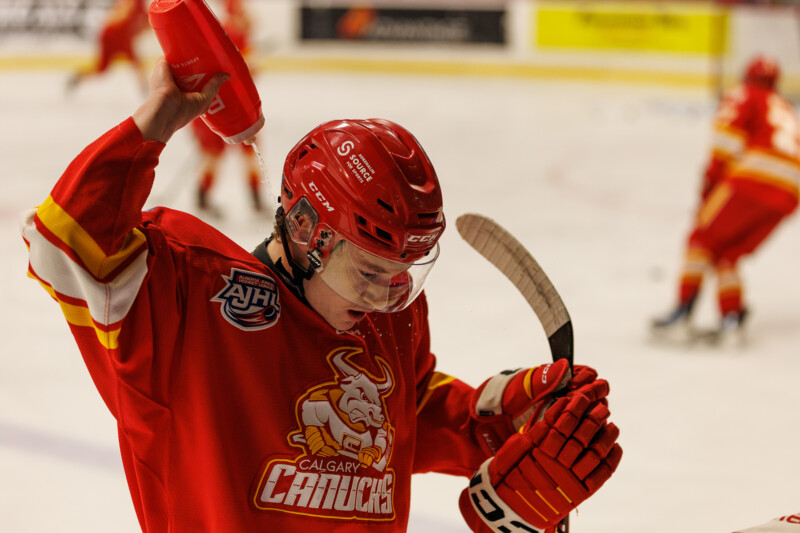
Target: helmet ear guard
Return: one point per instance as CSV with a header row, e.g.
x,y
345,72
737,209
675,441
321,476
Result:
x,y
301,220
322,242
303,227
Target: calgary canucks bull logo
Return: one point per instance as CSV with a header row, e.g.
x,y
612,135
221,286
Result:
x,y
249,300
347,446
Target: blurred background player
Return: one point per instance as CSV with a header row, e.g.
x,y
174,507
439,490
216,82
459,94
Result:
x,y
237,24
750,185
117,39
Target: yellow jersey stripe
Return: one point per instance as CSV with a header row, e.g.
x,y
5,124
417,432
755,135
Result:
x,y
713,204
67,229
437,380
80,316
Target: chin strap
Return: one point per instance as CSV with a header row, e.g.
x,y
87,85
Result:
x,y
299,274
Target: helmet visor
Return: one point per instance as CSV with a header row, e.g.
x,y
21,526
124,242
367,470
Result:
x,y
372,282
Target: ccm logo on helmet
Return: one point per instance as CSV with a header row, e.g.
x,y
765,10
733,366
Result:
x,y
320,196
423,238
345,148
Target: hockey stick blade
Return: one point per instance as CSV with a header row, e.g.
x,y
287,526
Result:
x,y
506,253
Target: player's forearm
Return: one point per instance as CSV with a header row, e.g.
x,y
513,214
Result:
x,y
98,200
156,120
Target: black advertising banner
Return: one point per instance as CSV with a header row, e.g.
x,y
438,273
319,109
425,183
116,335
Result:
x,y
379,24
50,17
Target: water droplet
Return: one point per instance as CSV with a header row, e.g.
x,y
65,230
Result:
x,y
264,176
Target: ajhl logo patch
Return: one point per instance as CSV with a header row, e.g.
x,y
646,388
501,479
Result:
x,y
249,300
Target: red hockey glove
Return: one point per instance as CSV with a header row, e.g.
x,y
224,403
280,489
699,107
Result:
x,y
547,470
505,402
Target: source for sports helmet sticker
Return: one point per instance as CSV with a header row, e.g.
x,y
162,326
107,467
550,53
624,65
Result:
x,y
249,300
360,167
345,147
357,163
346,439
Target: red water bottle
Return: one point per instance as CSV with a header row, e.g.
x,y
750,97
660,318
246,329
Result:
x,y
196,46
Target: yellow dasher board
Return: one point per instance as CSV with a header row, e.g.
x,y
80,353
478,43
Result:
x,y
669,27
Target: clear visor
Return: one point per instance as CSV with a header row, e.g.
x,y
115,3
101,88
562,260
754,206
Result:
x,y
372,282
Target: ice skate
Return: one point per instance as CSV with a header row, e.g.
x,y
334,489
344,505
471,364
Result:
x,y
674,326
731,330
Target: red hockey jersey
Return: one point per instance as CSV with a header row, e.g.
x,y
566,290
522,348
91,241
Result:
x,y
239,408
756,147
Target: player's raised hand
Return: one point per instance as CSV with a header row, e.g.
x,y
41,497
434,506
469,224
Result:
x,y
546,470
167,109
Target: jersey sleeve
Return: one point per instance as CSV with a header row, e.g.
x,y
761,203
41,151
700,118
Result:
x,y
86,247
729,136
445,441
731,123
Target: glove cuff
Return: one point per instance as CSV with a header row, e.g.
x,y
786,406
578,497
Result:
x,y
490,395
489,507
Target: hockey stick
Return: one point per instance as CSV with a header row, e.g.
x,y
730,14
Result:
x,y
506,253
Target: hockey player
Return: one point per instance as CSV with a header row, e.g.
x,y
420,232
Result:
x,y
750,185
237,25
293,388
127,20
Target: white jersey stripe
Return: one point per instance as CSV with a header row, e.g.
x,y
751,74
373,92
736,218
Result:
x,y
761,163
727,142
107,302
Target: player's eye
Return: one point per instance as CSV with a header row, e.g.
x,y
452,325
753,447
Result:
x,y
369,276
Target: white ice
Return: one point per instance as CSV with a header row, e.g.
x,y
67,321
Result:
x,y
599,181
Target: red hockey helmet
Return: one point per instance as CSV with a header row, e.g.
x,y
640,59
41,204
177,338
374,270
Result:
x,y
369,185
762,70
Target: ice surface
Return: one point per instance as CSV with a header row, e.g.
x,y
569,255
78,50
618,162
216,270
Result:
x,y
598,181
